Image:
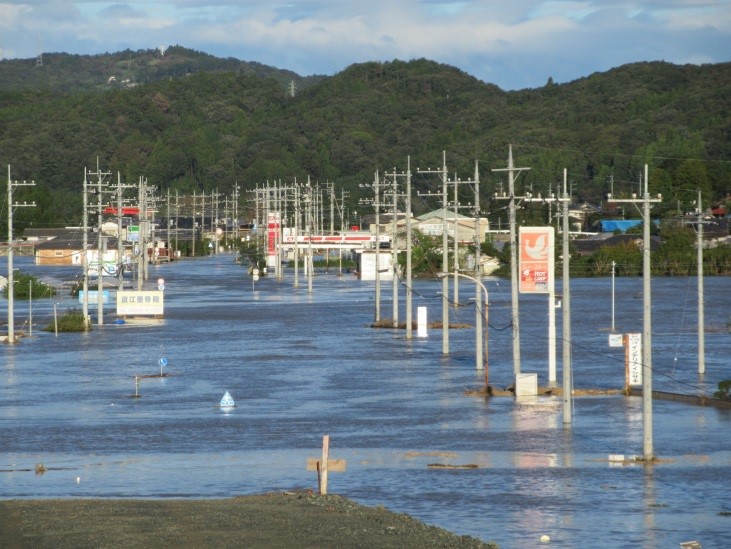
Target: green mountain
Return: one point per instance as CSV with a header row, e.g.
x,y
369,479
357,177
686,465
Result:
x,y
66,73
190,121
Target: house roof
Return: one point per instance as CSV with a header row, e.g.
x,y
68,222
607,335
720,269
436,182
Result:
x,y
439,215
586,246
73,241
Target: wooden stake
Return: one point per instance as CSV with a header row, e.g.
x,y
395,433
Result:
x,y
323,464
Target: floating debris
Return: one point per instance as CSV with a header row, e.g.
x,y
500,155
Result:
x,y
449,466
227,401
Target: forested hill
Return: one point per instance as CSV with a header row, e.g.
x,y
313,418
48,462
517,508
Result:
x,y
214,129
63,72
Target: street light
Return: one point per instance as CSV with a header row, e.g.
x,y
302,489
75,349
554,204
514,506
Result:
x,y
478,342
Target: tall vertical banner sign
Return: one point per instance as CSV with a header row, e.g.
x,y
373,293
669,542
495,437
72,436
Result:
x,y
272,238
632,360
535,265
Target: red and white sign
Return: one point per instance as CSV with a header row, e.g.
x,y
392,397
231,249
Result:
x,y
535,265
273,228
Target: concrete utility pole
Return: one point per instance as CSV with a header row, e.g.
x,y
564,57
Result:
x,y
11,288
394,250
445,249
478,275
701,318
376,202
192,217
237,222
309,220
409,293
99,190
529,197
568,385
646,317
85,252
513,256
120,242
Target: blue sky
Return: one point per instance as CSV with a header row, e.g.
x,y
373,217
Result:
x,y
515,44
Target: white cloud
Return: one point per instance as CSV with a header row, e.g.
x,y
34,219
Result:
x,y
514,44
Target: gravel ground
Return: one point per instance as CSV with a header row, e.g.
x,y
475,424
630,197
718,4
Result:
x,y
268,520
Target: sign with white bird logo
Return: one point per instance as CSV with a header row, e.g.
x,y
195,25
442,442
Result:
x,y
535,266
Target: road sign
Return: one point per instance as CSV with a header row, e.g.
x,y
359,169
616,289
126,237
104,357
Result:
x,y
163,361
161,287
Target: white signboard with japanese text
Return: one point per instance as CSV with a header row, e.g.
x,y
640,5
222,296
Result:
x,y
140,303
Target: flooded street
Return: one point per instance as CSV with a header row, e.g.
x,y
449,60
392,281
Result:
x,y
303,365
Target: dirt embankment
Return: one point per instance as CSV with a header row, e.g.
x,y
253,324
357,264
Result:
x,y
263,521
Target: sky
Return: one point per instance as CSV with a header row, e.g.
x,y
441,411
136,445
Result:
x,y
515,44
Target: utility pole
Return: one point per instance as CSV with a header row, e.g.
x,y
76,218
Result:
x,y
648,452
394,249
701,318
445,250
120,244
167,238
409,296
237,223
85,252
550,199
11,288
513,257
296,234
568,385
309,220
478,275
100,189
376,202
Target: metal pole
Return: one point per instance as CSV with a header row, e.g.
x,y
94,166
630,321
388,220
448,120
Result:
x,y
701,319
481,360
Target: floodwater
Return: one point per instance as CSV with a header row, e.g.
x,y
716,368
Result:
x,y
303,365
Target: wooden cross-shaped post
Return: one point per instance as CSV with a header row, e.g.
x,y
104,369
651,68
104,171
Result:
x,y
322,466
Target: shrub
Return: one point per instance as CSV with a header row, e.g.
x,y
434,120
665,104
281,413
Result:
x,y
72,321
